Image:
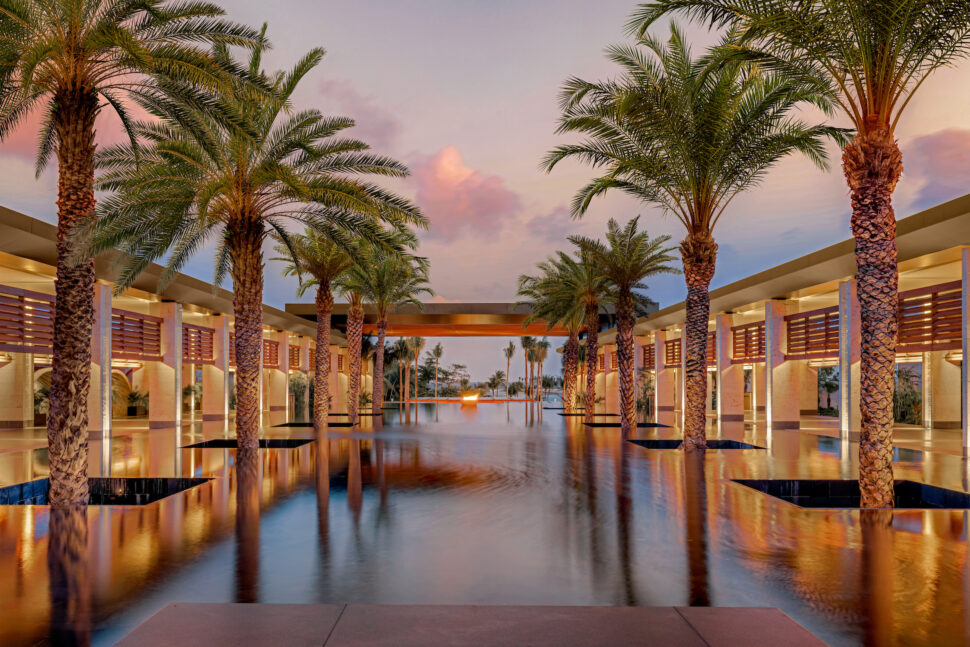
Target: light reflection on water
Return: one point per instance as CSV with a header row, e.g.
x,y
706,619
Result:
x,y
491,504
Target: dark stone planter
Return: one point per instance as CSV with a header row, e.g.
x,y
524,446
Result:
x,y
104,491
832,493
264,443
673,443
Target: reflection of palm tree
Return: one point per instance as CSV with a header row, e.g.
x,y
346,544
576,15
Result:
x,y
542,351
527,343
695,500
70,587
878,571
247,525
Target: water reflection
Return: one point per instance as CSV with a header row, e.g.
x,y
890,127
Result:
x,y
70,585
247,525
491,505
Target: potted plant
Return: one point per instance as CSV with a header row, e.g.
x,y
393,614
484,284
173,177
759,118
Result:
x,y
136,400
42,402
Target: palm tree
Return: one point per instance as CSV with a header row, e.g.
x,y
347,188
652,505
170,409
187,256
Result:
x,y
495,381
628,257
401,356
509,352
527,343
541,351
355,334
416,345
323,261
201,178
436,354
387,278
68,60
687,135
871,57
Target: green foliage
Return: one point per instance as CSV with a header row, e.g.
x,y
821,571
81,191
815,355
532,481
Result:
x,y
646,388
828,381
138,399
42,399
298,389
907,397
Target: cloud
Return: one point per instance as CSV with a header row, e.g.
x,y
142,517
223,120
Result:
x,y
940,164
458,199
374,125
551,227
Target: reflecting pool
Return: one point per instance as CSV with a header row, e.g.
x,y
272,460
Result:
x,y
492,504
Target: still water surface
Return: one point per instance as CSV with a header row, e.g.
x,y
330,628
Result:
x,y
494,504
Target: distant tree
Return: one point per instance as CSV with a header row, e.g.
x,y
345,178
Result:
x,y
436,354
828,381
509,352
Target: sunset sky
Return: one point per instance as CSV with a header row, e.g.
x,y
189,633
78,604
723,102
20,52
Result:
x,y
465,92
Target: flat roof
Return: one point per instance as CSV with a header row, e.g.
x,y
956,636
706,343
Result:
x,y
927,238
29,245
448,319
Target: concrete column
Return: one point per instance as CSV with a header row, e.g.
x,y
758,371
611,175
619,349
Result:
x,y
305,367
965,333
758,390
165,376
781,377
709,401
17,382
99,396
336,382
188,379
665,385
730,377
215,378
808,400
279,378
611,395
943,410
850,416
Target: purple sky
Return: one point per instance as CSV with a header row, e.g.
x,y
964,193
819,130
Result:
x,y
465,93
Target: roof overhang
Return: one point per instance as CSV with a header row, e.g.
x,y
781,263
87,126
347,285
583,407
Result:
x,y
930,237
29,245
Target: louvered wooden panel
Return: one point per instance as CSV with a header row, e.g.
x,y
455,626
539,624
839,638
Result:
x,y
672,353
711,348
26,321
614,362
198,344
813,334
271,354
313,359
601,364
232,349
650,356
340,363
295,357
748,343
135,336
930,318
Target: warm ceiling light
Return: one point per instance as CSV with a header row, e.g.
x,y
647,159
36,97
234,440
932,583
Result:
x,y
125,363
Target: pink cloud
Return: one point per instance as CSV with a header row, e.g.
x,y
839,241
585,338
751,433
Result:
x,y
552,226
458,199
374,125
940,163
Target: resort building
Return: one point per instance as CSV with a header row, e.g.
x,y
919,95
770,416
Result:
x,y
770,334
158,356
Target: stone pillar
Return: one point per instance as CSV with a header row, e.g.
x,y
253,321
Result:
x,y
337,383
279,378
665,383
808,380
965,334
188,379
758,390
17,382
215,378
781,376
730,377
99,396
165,376
943,409
611,395
850,416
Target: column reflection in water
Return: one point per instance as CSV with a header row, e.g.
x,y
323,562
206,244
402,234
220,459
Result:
x,y
695,501
354,483
247,525
70,583
878,579
322,486
624,508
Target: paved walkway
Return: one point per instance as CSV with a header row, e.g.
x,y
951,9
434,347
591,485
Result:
x,y
360,625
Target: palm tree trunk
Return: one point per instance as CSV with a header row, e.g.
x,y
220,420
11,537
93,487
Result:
x,y
355,330
407,382
69,580
569,356
246,255
699,253
321,377
592,332
508,375
525,375
67,418
625,320
378,396
436,379
872,164
416,373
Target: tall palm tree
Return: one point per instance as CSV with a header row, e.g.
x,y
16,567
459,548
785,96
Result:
x,y
871,56
355,334
436,354
628,257
401,356
201,178
318,262
387,278
687,135
67,60
509,352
